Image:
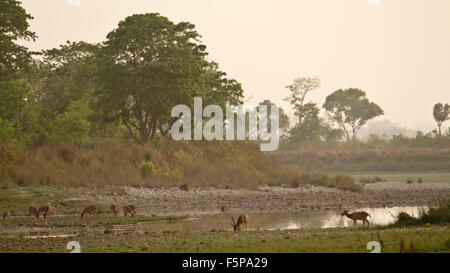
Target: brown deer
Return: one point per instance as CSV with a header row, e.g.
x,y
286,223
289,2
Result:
x,y
242,220
360,215
114,209
90,210
6,215
33,211
45,210
130,209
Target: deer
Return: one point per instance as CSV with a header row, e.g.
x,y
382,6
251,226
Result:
x,y
6,215
242,220
130,209
114,209
33,211
89,210
45,210
360,215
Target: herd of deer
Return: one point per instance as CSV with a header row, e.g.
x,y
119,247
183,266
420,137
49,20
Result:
x,y
131,210
47,211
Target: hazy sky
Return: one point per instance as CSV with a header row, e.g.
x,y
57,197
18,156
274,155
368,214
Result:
x,y
398,51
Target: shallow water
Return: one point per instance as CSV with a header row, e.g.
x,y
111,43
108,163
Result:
x,y
281,220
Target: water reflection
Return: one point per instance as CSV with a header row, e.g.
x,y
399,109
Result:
x,y
283,220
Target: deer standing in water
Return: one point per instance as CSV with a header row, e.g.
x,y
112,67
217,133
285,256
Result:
x,y
45,210
242,220
90,210
360,215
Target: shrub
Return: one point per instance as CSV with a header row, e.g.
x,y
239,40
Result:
x,y
436,216
7,131
148,168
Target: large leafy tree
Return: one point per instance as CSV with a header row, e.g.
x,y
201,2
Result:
x,y
14,58
150,64
441,114
350,110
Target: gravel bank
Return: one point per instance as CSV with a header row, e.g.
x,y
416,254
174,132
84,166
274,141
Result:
x,y
203,201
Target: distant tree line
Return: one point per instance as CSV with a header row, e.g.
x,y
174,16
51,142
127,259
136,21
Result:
x,y
346,112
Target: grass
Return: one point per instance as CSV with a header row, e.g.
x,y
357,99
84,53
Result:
x,y
432,239
365,158
187,164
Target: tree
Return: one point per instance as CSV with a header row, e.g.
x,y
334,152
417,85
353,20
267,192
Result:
x,y
74,123
350,110
307,132
441,114
65,74
13,26
150,64
299,89
283,118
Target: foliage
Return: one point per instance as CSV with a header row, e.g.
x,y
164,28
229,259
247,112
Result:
x,y
441,114
14,58
150,64
148,168
74,125
436,216
7,131
350,110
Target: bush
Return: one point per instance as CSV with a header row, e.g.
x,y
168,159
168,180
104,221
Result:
x,y
435,216
148,168
7,131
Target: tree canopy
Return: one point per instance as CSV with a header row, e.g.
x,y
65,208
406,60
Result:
x,y
14,58
441,114
150,64
350,110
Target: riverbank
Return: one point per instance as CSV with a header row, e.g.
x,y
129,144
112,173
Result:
x,y
175,201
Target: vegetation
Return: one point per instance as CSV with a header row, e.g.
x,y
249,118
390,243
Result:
x,y
165,164
441,114
434,216
350,109
423,153
432,239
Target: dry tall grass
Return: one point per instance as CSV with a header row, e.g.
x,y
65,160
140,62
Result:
x,y
165,163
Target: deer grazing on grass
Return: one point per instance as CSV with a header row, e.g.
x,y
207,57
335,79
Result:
x,y
90,210
33,211
242,220
130,209
6,215
114,209
45,210
360,215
